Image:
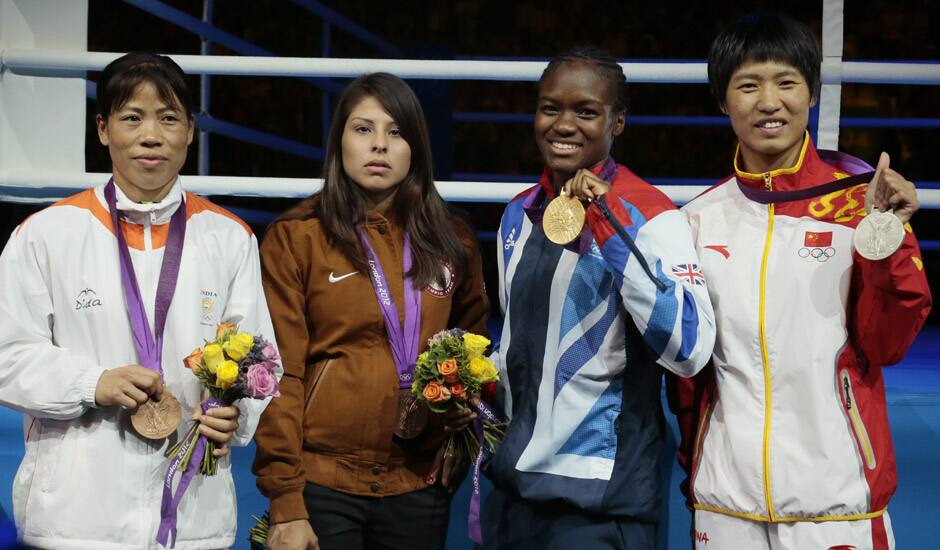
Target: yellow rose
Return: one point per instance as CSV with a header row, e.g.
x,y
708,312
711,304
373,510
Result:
x,y
212,356
475,344
492,374
225,329
482,369
227,373
238,345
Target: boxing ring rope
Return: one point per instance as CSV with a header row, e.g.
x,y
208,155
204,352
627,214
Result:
x,y
65,61
33,186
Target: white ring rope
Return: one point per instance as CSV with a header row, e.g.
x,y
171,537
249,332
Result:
x,y
42,187
64,61
35,187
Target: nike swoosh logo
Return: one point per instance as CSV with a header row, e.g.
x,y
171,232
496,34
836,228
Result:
x,y
335,279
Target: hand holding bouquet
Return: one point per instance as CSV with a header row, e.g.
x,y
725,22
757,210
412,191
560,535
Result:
x,y
453,374
235,365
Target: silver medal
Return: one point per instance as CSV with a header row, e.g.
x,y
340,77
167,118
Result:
x,y
878,235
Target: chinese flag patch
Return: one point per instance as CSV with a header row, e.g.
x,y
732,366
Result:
x,y
815,239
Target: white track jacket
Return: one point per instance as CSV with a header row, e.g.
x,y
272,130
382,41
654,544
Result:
x,y
87,480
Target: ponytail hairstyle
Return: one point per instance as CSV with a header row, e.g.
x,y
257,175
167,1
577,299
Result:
x,y
603,63
341,203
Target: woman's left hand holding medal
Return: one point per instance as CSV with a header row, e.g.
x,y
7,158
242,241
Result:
x,y
585,186
218,424
563,219
889,190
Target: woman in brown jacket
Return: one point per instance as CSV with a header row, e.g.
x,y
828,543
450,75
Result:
x,y
345,456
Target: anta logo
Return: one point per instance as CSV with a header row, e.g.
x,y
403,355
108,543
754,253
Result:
x,y
841,547
445,285
510,240
719,248
86,299
701,536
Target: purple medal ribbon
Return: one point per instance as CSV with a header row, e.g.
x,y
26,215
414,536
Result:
x,y
473,518
403,340
149,345
170,503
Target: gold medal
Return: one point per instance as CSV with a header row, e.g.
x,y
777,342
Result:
x,y
157,419
563,219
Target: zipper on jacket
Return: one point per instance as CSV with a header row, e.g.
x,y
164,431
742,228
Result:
x,y
861,434
765,356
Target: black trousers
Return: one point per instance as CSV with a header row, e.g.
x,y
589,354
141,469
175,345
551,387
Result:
x,y
414,521
513,523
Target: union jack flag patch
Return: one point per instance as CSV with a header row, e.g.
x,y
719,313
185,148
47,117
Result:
x,y
689,272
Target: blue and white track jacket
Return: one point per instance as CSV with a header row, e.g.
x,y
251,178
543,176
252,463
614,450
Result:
x,y
585,332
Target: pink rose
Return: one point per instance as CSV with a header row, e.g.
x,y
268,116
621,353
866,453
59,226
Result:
x,y
270,365
269,352
260,383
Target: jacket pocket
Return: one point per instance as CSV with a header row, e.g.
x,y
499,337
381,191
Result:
x,y
855,420
311,392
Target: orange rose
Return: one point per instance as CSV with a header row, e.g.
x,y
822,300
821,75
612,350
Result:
x,y
224,329
193,361
448,369
434,392
458,391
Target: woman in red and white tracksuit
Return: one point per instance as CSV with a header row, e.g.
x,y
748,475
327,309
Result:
x,y
785,435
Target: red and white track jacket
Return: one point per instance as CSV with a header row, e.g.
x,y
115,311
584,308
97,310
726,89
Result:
x,y
789,421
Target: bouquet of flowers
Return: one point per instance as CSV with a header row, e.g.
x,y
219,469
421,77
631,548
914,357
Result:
x,y
233,366
453,374
258,533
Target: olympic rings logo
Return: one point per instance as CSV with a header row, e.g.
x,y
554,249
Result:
x,y
816,254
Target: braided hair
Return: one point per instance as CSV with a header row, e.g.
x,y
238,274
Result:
x,y
604,64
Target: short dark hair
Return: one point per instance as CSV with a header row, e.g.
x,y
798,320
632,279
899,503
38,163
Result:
x,y
122,76
763,37
604,63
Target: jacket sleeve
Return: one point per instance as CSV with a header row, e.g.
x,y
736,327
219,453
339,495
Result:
x,y
674,317
687,397
890,301
278,461
37,377
248,309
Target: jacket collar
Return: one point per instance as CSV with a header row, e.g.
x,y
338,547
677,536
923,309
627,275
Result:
x,y
815,173
154,213
783,179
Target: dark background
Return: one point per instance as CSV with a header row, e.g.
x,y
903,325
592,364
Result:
x,y
460,29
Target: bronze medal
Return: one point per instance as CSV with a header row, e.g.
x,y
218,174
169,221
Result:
x,y
157,419
563,219
412,415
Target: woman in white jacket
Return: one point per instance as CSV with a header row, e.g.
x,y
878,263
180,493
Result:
x,y
68,358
